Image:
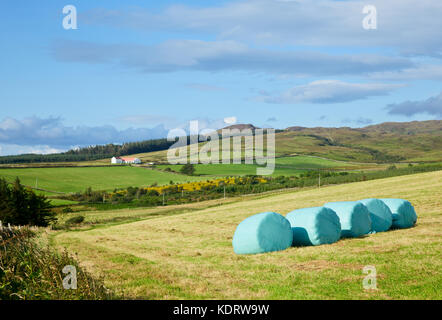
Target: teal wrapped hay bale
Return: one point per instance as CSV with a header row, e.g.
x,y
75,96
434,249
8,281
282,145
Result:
x,y
403,213
380,214
353,216
263,232
314,226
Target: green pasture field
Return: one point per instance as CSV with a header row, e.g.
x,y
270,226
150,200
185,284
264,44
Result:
x,y
77,179
99,178
285,166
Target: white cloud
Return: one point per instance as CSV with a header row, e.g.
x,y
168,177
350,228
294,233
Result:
x,y
43,136
410,26
11,149
421,71
330,91
199,55
34,131
230,120
432,105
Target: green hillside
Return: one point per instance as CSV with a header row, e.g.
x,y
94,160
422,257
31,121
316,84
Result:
x,y
417,141
387,142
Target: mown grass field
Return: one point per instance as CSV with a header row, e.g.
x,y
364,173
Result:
x,y
285,166
99,178
185,252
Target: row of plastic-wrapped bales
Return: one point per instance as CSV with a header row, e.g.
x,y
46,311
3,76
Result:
x,y
270,231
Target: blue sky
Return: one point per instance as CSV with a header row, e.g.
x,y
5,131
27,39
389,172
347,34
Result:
x,y
132,70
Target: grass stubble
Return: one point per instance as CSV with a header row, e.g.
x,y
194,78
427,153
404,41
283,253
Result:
x,y
189,255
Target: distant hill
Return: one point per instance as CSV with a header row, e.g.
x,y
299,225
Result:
x,y
414,127
297,128
416,141
239,127
242,126
386,142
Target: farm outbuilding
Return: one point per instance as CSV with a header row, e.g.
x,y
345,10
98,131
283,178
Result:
x,y
117,160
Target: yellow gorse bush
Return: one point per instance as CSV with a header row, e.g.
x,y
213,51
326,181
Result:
x,y
197,185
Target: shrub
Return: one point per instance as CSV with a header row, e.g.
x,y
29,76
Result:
x,y
31,272
188,169
75,220
132,191
152,193
67,210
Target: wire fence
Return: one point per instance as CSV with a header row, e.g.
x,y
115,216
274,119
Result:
x,y
14,228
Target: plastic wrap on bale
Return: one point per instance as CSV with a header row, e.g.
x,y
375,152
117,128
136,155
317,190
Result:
x,y
380,214
354,217
314,226
403,213
263,232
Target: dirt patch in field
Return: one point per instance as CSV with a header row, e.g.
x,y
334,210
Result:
x,y
324,264
378,249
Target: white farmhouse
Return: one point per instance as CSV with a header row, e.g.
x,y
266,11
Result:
x,y
117,160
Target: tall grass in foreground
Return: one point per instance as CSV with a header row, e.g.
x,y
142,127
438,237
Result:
x,y
29,271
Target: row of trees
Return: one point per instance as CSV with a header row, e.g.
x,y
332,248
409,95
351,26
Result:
x,y
21,206
92,152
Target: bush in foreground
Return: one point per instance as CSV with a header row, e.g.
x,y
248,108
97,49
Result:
x,y
31,272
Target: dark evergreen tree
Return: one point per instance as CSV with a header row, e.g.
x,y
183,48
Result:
x,y
21,206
